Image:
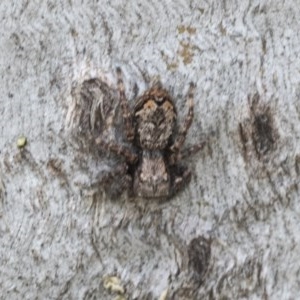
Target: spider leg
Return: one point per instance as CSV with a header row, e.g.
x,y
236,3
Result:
x,y
129,130
118,149
188,121
181,180
111,175
185,153
115,181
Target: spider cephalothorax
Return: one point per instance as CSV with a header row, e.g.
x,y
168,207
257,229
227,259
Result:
x,y
154,117
152,168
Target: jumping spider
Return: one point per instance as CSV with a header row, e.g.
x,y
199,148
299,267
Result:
x,y
152,167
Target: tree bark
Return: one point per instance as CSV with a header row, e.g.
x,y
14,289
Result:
x,y
232,233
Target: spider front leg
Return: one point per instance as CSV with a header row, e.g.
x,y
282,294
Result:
x,y
119,150
127,117
187,123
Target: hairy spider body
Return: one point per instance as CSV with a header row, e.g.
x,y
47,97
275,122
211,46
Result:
x,y
151,177
153,160
154,119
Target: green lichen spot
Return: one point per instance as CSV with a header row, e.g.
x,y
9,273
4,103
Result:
x,y
21,142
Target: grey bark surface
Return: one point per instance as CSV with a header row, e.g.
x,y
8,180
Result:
x,y
62,238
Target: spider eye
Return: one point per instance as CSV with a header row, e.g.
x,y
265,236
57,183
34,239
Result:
x,y
167,105
150,104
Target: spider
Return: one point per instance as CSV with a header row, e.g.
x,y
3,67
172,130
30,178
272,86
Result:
x,y
152,168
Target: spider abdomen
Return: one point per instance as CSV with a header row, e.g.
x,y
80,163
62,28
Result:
x,y
151,178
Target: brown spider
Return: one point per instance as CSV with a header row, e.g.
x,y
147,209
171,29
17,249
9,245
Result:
x,y
152,167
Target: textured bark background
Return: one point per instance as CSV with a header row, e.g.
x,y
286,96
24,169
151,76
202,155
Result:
x,y
63,239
